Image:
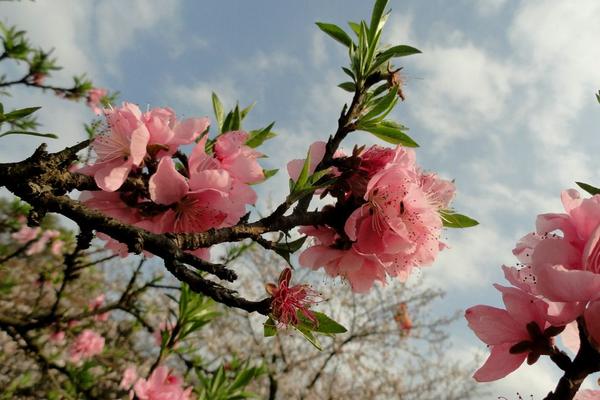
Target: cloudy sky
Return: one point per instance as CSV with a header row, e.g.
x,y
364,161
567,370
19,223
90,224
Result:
x,y
502,100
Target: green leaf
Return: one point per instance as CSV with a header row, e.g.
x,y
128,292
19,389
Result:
x,y
218,108
348,86
246,110
588,188
269,173
383,106
20,113
308,335
391,132
454,220
399,51
355,27
335,32
236,119
304,173
598,96
349,73
258,137
327,325
1,111
47,135
269,328
376,15
392,52
284,249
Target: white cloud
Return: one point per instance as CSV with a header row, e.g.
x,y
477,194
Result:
x,y
464,89
59,25
121,23
198,96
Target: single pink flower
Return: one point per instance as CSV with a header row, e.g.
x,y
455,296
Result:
x,y
120,149
398,224
288,300
94,99
86,345
197,205
502,329
161,385
129,377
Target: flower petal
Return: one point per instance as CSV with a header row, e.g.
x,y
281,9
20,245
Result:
x,y
167,186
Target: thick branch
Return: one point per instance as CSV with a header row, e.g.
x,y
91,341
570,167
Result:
x,y
586,362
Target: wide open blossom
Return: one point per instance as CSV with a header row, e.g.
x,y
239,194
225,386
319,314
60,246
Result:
x,y
120,149
288,300
396,226
161,385
86,345
563,256
502,329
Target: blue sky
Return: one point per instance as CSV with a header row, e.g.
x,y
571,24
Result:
x,y
502,100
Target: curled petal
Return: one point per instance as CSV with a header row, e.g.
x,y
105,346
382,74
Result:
x,y
167,186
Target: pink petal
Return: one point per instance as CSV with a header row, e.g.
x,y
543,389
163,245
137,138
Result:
x,y
139,141
112,175
189,129
217,179
499,364
522,307
167,186
494,326
557,283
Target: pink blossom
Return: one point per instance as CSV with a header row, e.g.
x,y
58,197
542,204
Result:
x,y
194,203
86,345
39,245
502,329
119,150
317,151
129,377
587,394
361,270
565,255
165,326
57,247
94,98
26,234
161,385
57,337
166,133
96,304
399,224
288,300
237,158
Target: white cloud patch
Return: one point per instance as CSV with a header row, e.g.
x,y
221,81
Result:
x,y
463,89
120,24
